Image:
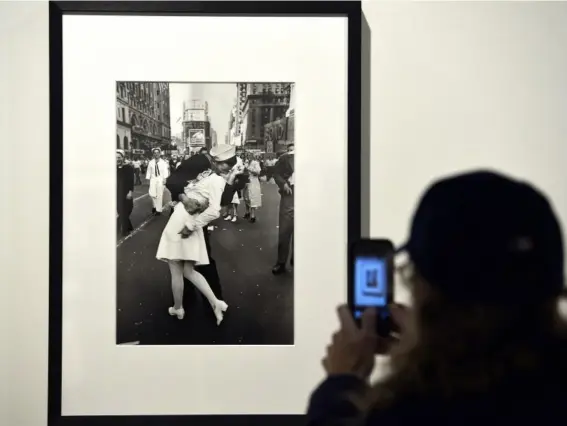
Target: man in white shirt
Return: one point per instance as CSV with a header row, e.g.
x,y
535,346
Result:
x,y
157,173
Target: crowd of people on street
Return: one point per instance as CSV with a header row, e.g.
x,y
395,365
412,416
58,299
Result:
x,y
205,186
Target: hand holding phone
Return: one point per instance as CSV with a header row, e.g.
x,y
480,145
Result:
x,y
371,275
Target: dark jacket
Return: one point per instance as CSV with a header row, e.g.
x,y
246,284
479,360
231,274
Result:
x,y
124,181
283,170
527,404
189,169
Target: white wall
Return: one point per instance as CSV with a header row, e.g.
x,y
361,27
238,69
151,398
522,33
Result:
x,y
24,123
457,86
454,86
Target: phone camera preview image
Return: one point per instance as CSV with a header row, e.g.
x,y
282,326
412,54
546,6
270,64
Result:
x,y
371,287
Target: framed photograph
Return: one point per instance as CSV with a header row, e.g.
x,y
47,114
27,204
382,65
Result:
x,y
242,251
199,294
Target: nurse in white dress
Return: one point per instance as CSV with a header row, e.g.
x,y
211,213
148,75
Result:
x,y
182,244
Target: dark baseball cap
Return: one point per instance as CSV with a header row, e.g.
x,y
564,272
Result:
x,y
485,237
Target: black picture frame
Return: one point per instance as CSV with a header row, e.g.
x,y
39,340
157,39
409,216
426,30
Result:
x,y
350,9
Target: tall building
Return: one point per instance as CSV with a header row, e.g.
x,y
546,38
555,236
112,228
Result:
x,y
123,126
234,126
258,105
196,124
214,140
291,109
195,110
280,133
148,114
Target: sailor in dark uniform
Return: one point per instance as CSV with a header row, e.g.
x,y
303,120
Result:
x,y
124,197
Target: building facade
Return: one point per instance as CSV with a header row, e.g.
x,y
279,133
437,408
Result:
x,y
147,115
195,110
123,126
259,104
234,126
278,135
214,140
291,109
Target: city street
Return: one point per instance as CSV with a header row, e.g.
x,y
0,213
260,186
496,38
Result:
x,y
260,304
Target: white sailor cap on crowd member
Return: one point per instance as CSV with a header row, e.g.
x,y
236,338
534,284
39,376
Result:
x,y
156,150
121,152
222,152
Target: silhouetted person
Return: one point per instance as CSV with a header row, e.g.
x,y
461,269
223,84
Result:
x,y
124,197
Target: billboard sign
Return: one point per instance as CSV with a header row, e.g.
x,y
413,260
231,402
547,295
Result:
x,y
196,137
195,124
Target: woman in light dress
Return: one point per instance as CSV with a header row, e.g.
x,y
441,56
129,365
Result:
x,y
182,244
253,191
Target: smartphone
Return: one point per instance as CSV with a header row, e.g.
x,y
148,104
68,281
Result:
x,y
371,281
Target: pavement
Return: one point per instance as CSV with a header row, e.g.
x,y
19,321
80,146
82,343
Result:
x,y
142,204
260,304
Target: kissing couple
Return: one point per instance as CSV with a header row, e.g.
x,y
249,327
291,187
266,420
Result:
x,y
199,187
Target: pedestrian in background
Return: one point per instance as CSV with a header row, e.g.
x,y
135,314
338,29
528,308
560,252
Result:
x,y
137,164
284,177
144,166
172,163
253,190
232,209
124,194
484,341
157,174
270,163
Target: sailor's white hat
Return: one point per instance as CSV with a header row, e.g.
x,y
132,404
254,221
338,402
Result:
x,y
222,152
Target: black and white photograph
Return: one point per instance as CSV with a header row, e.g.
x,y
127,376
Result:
x,y
205,213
